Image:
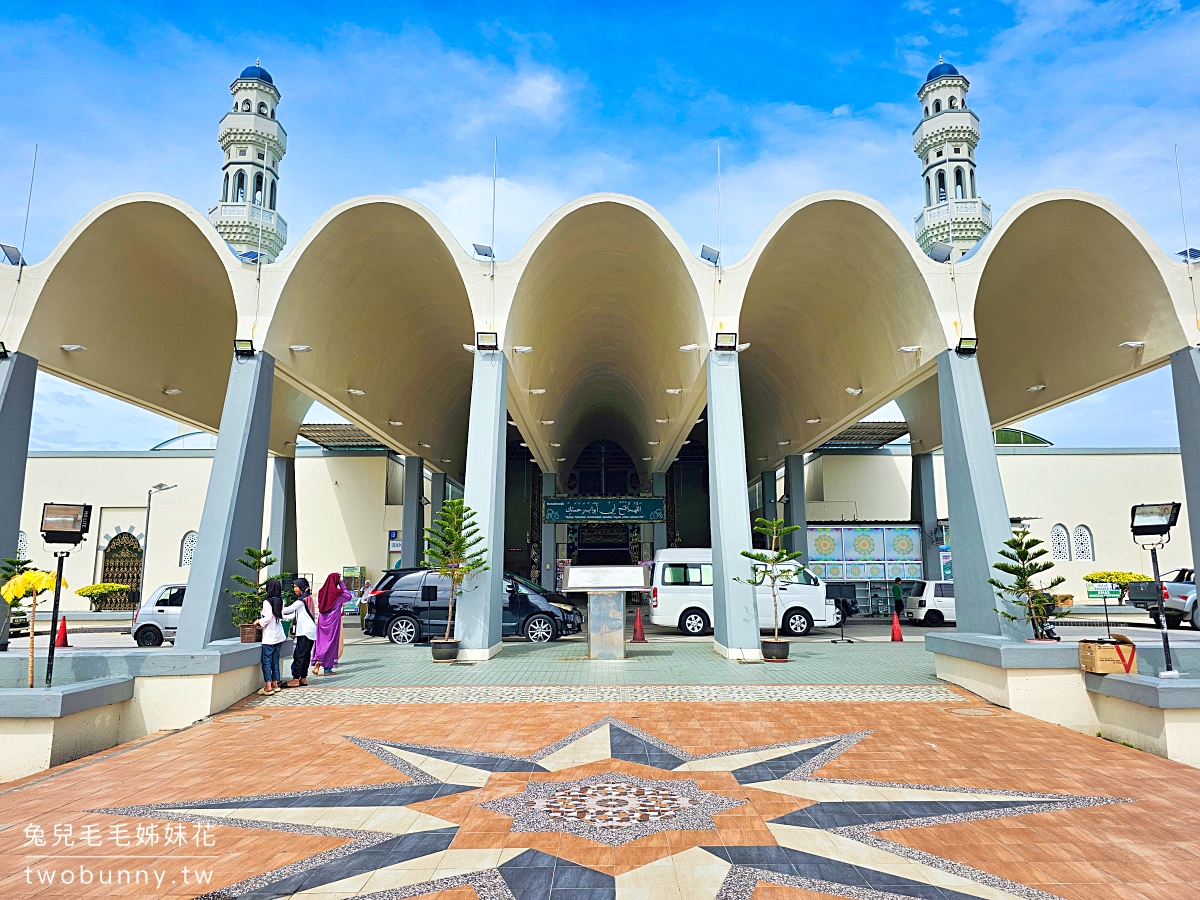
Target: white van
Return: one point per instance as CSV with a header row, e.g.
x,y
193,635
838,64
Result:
x,y
682,596
930,603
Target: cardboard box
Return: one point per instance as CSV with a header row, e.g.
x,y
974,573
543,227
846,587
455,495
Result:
x,y
1105,657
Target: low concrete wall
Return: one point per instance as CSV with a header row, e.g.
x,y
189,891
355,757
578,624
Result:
x,y
1160,716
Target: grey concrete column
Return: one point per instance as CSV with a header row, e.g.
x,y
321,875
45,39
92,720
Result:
x,y
1185,377
978,513
549,554
769,497
282,530
735,611
412,520
924,512
658,485
477,623
232,519
18,376
795,512
437,494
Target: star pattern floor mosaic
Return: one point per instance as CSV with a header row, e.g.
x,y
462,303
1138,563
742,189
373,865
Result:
x,y
534,801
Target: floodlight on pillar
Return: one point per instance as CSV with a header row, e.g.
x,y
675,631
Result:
x,y
967,346
484,250
710,255
726,341
487,341
243,348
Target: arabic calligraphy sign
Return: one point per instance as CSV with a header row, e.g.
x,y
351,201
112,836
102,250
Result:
x,y
605,509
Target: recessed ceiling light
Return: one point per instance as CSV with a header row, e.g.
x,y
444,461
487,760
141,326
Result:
x,y
300,348
653,443
552,444
813,421
395,423
172,392
674,390
662,421
854,391
422,444
356,392
916,348
547,421
537,391
73,348
1035,388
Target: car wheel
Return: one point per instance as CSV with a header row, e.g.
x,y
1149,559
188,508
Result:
x,y
1174,621
797,622
539,629
693,622
149,637
403,630
934,618
1196,616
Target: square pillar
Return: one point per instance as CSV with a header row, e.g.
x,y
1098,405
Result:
x,y
658,485
549,553
923,511
794,511
735,610
979,523
412,520
437,494
477,622
281,533
769,498
1185,378
233,506
18,377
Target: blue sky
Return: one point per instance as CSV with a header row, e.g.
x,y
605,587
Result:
x,y
406,98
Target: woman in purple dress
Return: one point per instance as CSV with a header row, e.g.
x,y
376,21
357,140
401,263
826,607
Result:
x,y
330,599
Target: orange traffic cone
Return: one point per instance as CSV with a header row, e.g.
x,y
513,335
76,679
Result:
x,y
60,640
896,635
639,636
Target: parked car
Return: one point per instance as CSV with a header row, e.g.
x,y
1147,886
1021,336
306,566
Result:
x,y
157,618
1180,602
930,603
682,596
410,605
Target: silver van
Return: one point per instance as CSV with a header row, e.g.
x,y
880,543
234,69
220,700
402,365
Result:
x,y
158,617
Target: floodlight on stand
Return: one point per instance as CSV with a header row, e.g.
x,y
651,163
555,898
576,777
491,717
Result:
x,y
709,255
1151,525
484,250
967,346
1153,519
65,523
726,341
487,340
243,348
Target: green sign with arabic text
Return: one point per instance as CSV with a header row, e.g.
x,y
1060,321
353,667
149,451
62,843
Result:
x,y
605,509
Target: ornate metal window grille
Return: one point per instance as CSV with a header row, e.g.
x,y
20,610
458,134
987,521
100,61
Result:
x,y
22,545
1060,545
1083,543
123,562
187,548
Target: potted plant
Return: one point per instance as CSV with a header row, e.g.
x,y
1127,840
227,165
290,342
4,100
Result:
x,y
1033,601
104,595
454,553
778,568
247,602
28,583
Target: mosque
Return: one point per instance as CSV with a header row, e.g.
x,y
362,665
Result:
x,y
606,359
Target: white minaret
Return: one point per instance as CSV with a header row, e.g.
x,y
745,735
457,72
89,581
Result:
x,y
254,143
945,141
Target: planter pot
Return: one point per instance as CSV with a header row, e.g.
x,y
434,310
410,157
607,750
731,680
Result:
x,y
775,651
444,650
251,634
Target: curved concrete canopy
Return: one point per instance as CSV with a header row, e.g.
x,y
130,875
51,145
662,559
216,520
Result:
x,y
376,290
1065,278
142,283
835,288
605,300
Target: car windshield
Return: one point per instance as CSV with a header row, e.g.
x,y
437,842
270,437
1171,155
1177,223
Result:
x,y
527,584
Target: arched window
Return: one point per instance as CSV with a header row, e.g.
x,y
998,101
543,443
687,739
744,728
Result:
x,y
937,106
187,548
953,102
239,186
928,194
22,545
272,114
927,110
272,193
245,106
960,188
941,183
225,188
262,109
1083,543
1060,544
258,189
972,182
235,106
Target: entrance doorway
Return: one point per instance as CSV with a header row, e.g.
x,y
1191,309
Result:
x,y
603,544
123,564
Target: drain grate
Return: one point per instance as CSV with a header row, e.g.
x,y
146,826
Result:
x,y
456,663
975,712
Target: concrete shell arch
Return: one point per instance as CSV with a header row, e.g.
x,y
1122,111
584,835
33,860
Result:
x,y
144,283
1062,281
605,293
834,287
376,288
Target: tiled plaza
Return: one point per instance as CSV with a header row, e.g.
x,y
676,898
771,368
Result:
x,y
881,792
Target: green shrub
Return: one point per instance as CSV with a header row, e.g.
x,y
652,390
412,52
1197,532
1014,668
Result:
x,y
1120,579
101,594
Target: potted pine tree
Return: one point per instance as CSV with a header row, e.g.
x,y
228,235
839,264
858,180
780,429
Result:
x,y
1035,606
454,554
247,601
778,568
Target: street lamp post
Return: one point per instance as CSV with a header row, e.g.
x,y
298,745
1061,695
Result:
x,y
1151,526
154,489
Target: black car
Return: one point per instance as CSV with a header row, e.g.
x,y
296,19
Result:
x,y
411,605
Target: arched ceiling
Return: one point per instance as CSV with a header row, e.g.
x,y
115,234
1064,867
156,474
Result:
x,y
606,301
1065,280
376,291
834,293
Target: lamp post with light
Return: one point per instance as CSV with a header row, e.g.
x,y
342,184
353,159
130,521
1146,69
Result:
x,y
67,524
1151,525
154,489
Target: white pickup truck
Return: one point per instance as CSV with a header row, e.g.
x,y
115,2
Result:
x,y
1180,602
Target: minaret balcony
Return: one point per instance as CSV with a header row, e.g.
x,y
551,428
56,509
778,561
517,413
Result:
x,y
249,216
961,222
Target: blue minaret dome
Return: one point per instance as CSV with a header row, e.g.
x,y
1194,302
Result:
x,y
257,71
941,70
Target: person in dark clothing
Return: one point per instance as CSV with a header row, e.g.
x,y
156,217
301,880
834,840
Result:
x,y
300,611
897,598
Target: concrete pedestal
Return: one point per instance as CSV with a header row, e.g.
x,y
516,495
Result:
x,y
606,625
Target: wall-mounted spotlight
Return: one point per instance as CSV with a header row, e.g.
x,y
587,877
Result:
x,y
523,444
560,459
709,255
762,459
537,392
547,421
423,444
522,349
243,348
783,443
661,421
1035,388
1132,345
172,392
487,340
73,348
854,392
653,443
552,444
726,341
300,348
967,346
915,348
356,392
647,459
446,460
674,391
395,423
813,421
689,348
